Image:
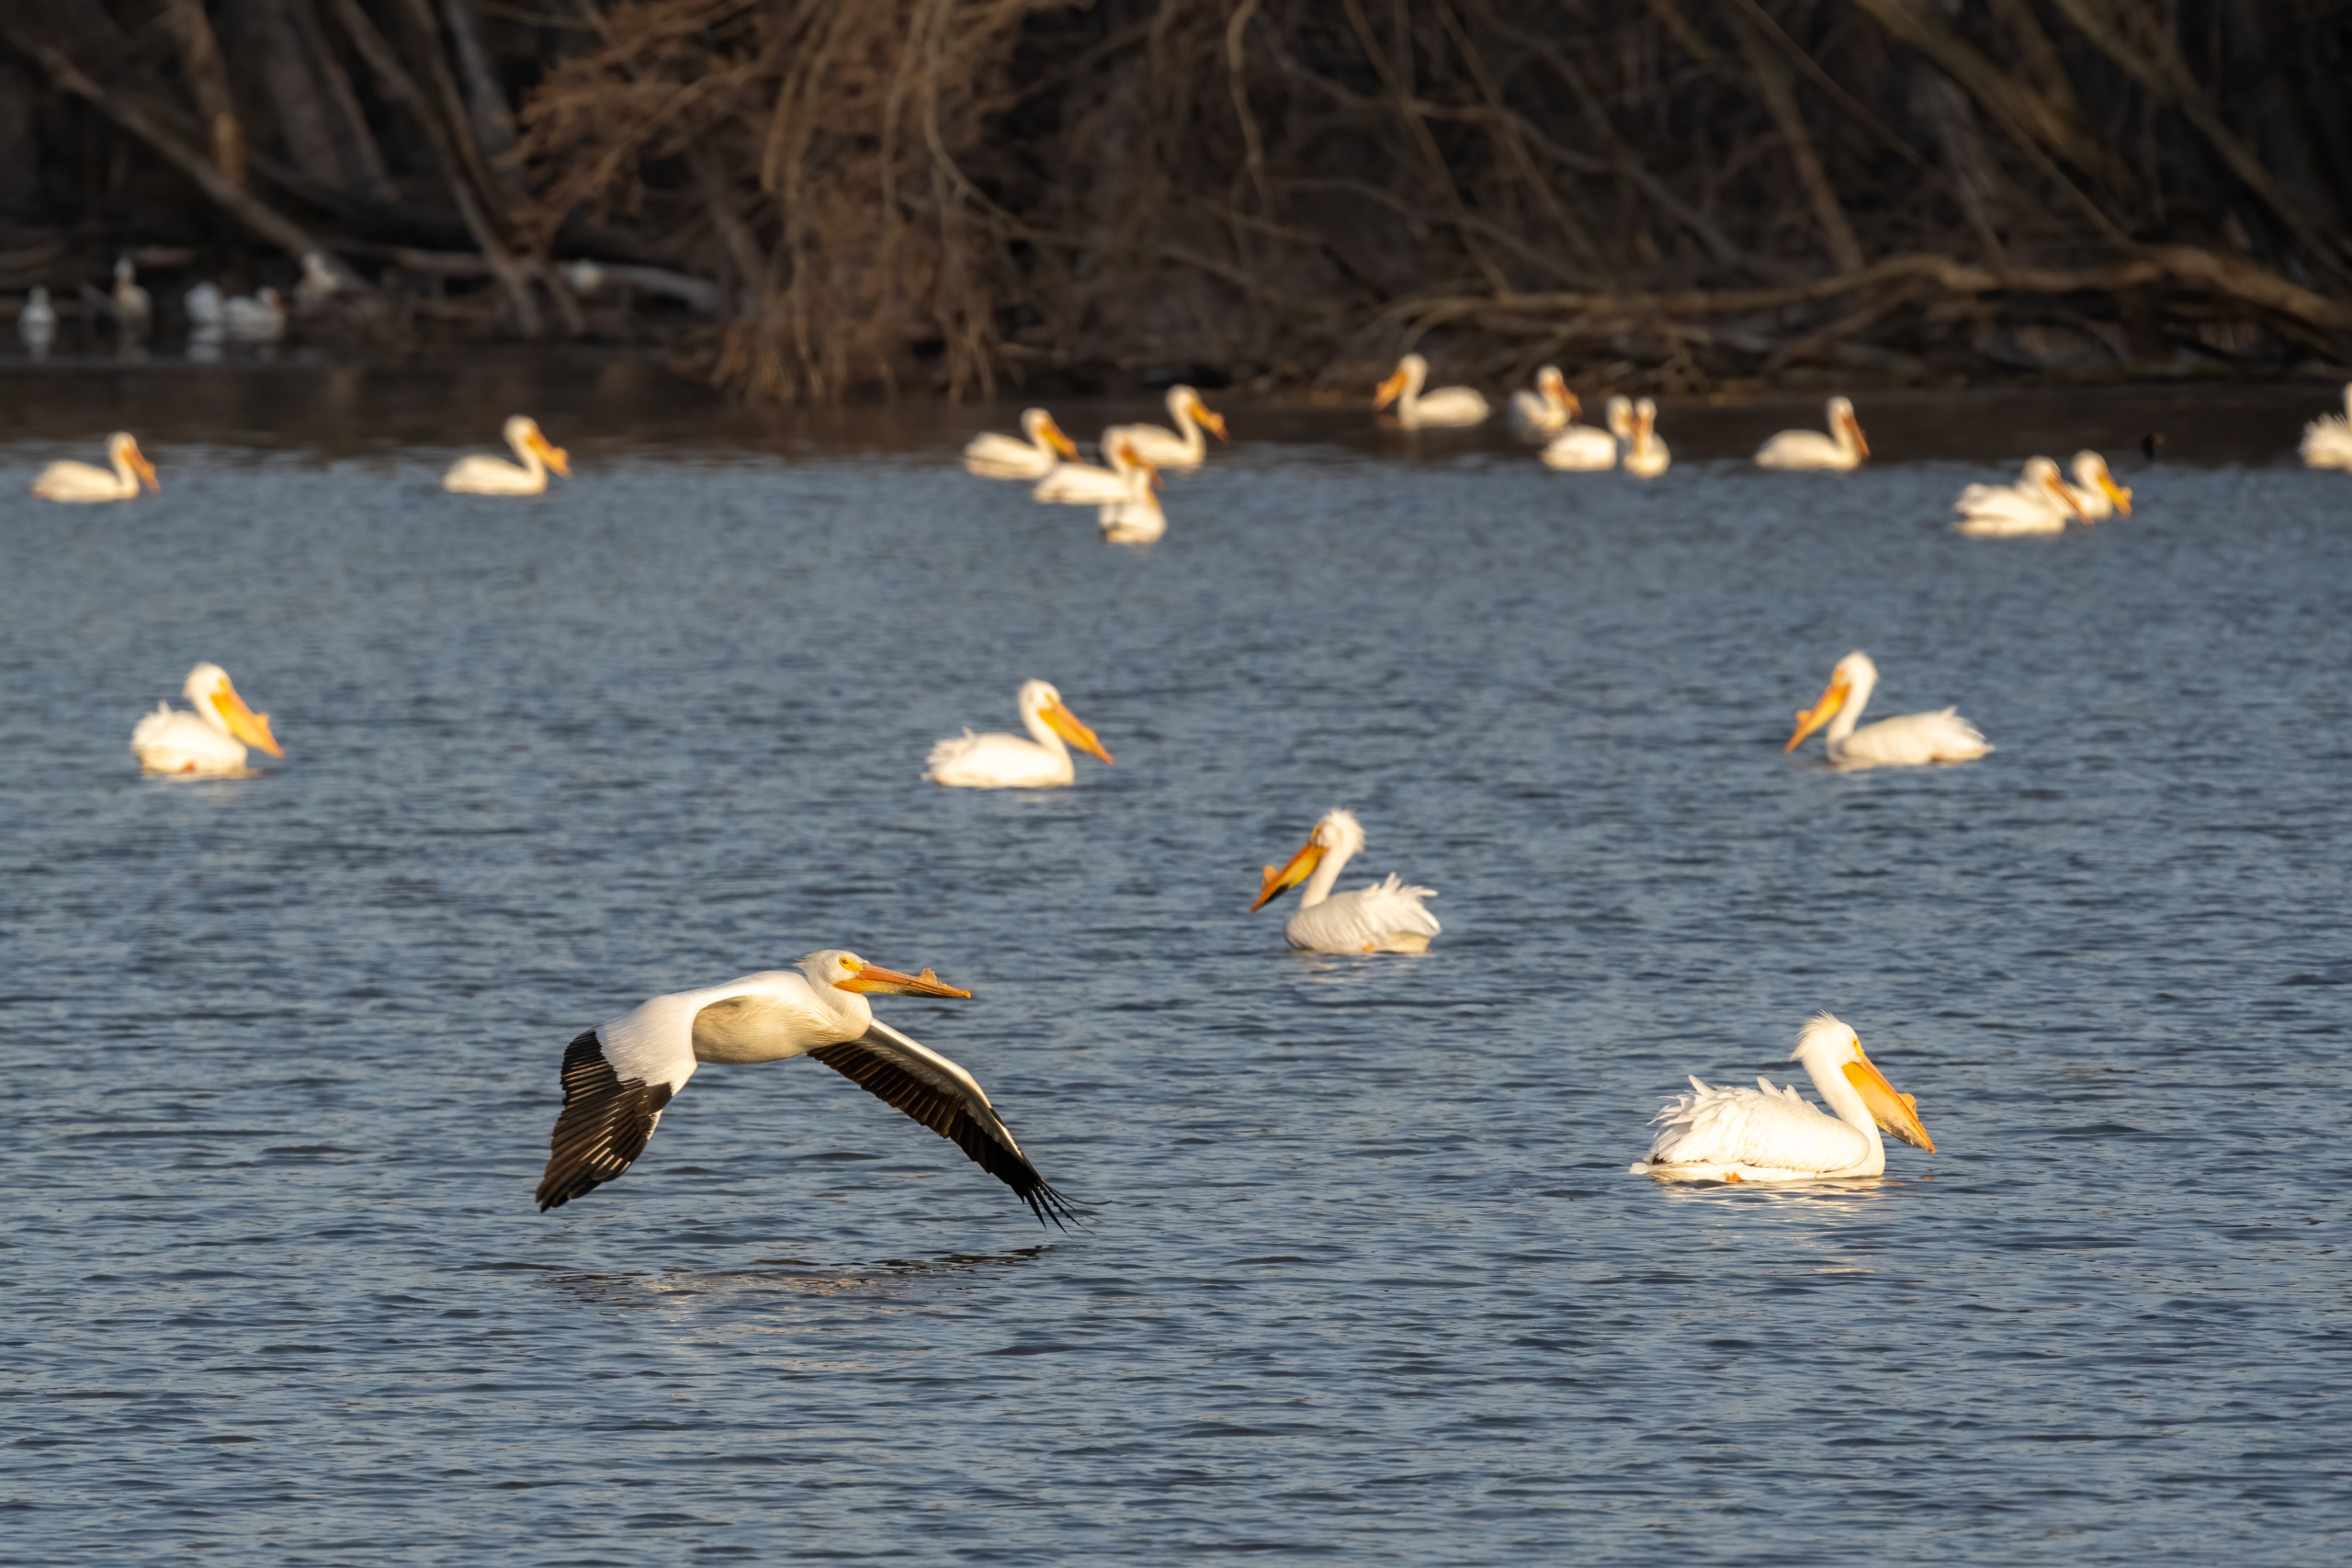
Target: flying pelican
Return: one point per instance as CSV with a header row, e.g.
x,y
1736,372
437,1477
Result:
x,y
1445,409
1646,455
258,317
134,311
619,1076
1542,414
2096,494
998,761
37,322
81,481
1843,447
2039,502
1909,741
1382,917
995,456
2327,440
1580,448
494,476
212,740
1182,448
1774,1134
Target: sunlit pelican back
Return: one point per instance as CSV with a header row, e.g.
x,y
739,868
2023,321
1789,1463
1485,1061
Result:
x,y
1385,917
1774,1135
2095,493
478,475
1091,484
2327,440
212,740
1182,448
996,761
1912,740
1646,455
1843,447
2039,502
619,1076
258,317
1542,414
82,482
1580,448
1448,408
995,456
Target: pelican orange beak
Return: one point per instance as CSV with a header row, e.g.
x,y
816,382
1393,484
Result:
x,y
1211,421
1281,880
1897,1113
146,470
1059,442
248,725
1854,428
1064,722
1135,459
1386,393
874,977
2066,497
1821,713
2115,492
554,456
1575,404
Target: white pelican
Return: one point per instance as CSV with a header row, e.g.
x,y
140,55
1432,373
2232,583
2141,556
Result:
x,y
1382,917
1182,448
1582,448
204,305
2096,494
1774,1134
1843,447
258,317
80,481
619,1076
134,311
316,287
494,476
1646,455
37,322
1445,409
1542,414
998,761
1909,741
212,740
2039,502
1129,512
2327,440
994,457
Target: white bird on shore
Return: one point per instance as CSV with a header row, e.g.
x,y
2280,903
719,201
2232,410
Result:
x,y
998,761
2327,440
37,322
134,311
1843,447
205,306
619,1076
1383,917
258,317
1646,455
1911,740
2039,502
84,481
2096,494
317,287
478,475
1448,408
1543,413
1775,1134
991,456
1182,448
212,740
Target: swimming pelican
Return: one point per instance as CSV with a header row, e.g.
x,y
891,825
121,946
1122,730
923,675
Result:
x,y
2327,440
1646,455
258,317
80,481
37,322
1774,1135
1129,512
1582,448
1843,447
1543,413
1909,741
1182,448
2039,502
494,476
134,311
1382,917
2096,494
619,1076
996,761
212,740
994,457
1447,408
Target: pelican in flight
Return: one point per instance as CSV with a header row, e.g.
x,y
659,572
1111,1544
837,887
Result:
x,y
1382,917
1182,448
995,456
1582,448
1646,455
1774,1134
477,475
1448,408
212,740
1843,447
2096,494
81,481
2327,440
1912,740
1542,414
998,761
2039,502
619,1076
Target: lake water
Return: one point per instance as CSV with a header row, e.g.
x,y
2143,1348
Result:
x,y
1365,1281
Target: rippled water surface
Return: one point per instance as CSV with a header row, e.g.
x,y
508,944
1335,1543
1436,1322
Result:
x,y
1365,1280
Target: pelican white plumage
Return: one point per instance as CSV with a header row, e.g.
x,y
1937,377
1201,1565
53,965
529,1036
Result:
x,y
2096,494
992,456
212,740
2327,440
37,322
205,306
1448,408
1384,917
1182,448
1913,739
1843,447
619,1076
85,481
258,317
2039,502
317,287
1774,1135
1129,511
1543,413
1582,448
134,312
1646,455
478,475
998,761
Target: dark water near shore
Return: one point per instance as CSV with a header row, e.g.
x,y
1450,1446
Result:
x,y
1365,1281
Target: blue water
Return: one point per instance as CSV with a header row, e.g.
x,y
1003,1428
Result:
x,y
1365,1281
